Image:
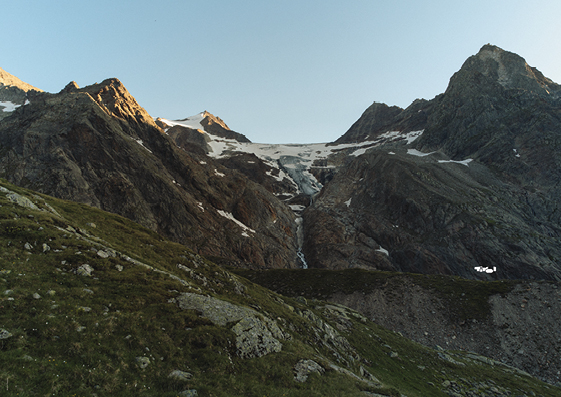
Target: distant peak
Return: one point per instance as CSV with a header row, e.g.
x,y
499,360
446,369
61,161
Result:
x,y
490,48
70,87
505,68
214,119
7,79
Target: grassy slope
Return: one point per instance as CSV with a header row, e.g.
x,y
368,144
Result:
x,y
82,336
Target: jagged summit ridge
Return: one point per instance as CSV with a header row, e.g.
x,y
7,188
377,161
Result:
x,y
505,68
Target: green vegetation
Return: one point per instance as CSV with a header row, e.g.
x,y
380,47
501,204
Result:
x,y
64,332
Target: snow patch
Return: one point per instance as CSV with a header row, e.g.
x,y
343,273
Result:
x,y
193,122
383,251
229,216
200,205
412,136
220,174
483,269
415,152
464,162
297,208
359,152
9,106
348,202
139,141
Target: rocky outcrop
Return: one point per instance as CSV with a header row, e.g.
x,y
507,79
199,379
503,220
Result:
x,y
260,172
216,126
189,139
256,335
96,145
304,368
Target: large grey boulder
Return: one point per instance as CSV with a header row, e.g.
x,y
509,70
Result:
x,y
20,200
304,368
256,335
254,339
4,334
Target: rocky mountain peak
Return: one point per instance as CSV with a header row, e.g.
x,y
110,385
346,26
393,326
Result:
x,y
376,119
8,80
209,118
198,130
112,96
493,65
70,87
13,93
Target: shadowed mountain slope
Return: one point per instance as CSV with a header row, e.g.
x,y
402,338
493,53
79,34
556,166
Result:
x,y
96,145
478,189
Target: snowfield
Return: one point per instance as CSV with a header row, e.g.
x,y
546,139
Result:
x,y
193,122
8,106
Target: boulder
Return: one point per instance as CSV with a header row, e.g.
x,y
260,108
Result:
x,y
180,375
142,362
256,335
5,334
304,368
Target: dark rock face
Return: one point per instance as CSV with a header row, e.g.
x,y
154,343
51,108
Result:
x,y
380,118
13,93
500,210
189,139
402,213
96,145
259,172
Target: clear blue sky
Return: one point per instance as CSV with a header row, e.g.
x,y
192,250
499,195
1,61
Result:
x,y
278,71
